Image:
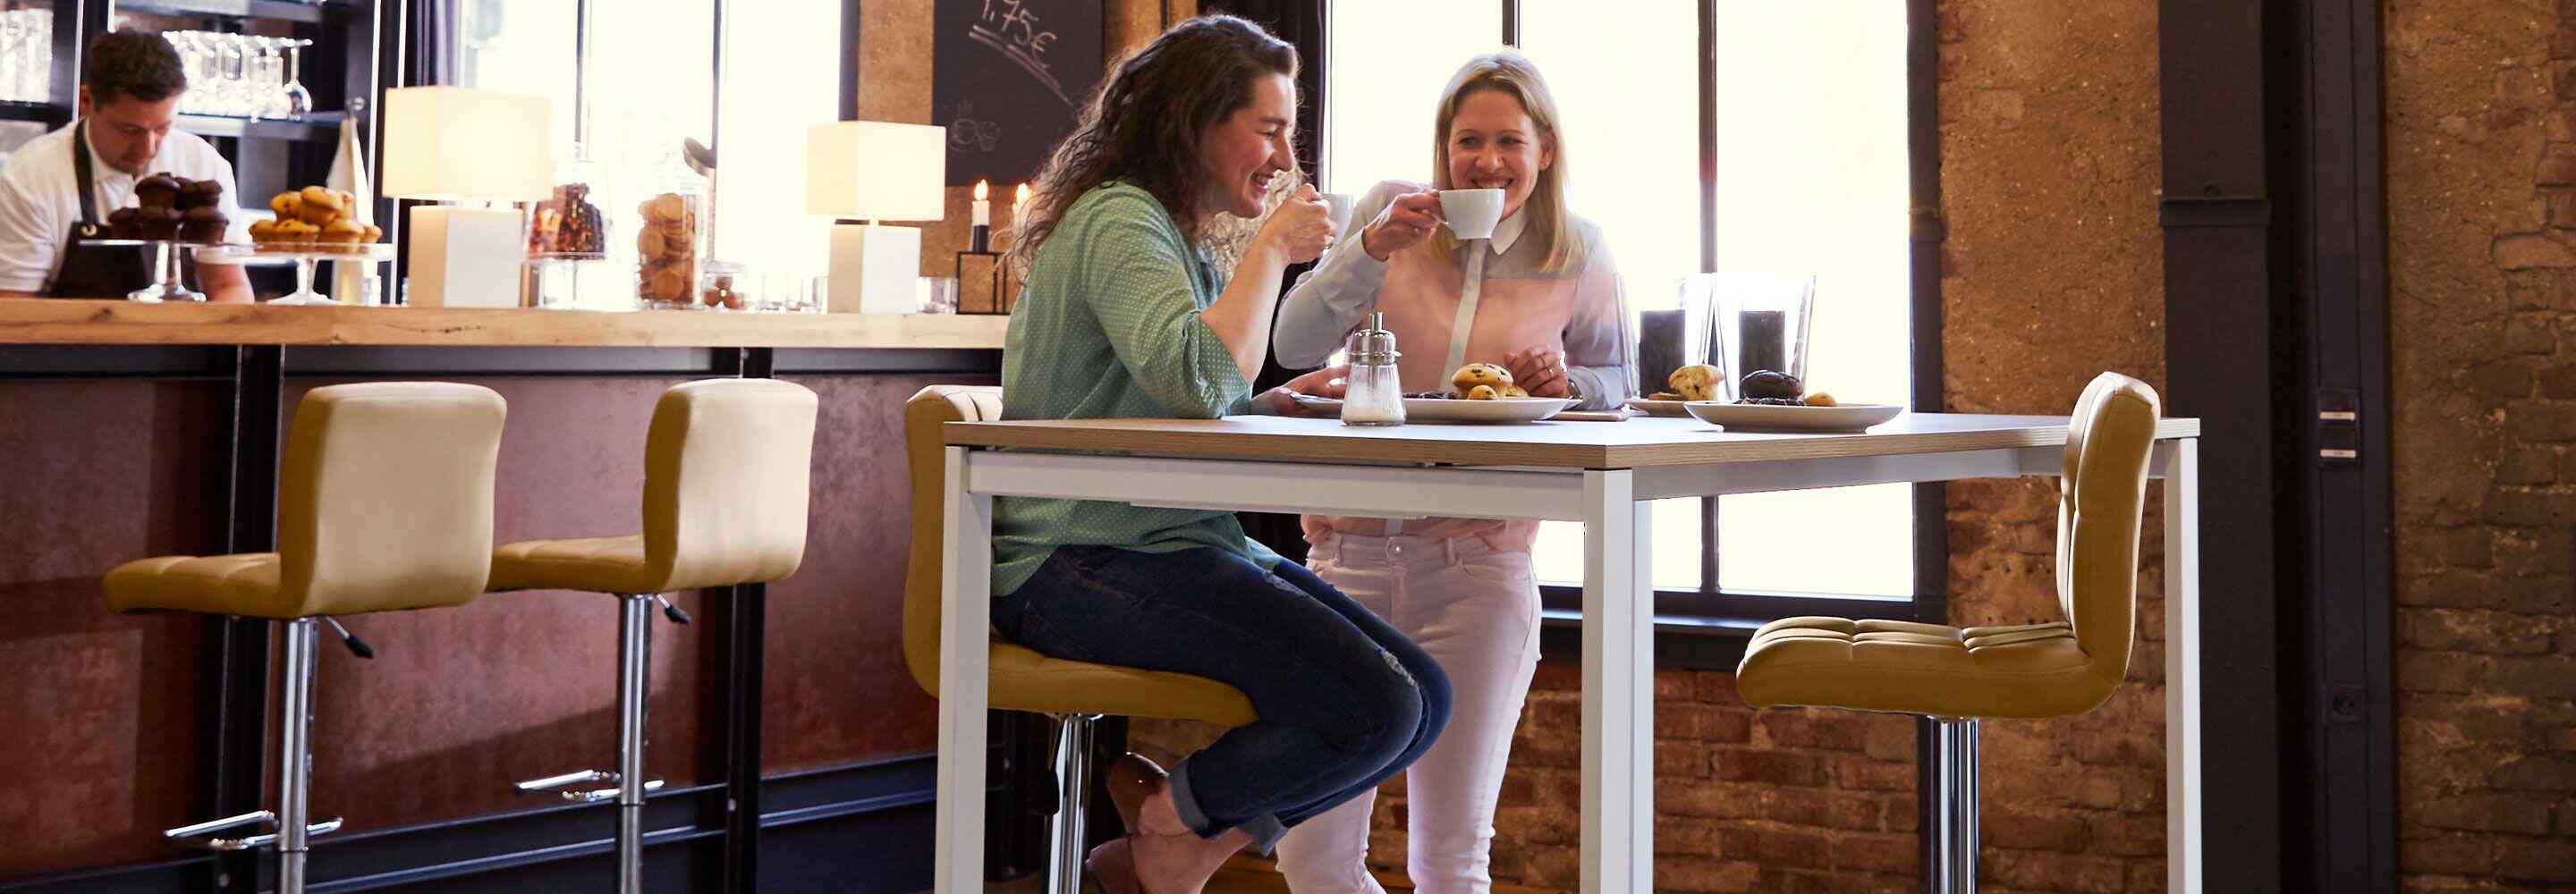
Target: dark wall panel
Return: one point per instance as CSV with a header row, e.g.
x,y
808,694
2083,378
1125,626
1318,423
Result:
x,y
98,711
836,686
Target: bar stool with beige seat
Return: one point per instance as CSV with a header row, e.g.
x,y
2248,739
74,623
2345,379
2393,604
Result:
x,y
1955,676
384,504
727,467
1073,693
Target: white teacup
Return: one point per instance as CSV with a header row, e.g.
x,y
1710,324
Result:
x,y
1472,213
1338,206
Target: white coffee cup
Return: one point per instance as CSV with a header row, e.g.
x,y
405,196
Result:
x,y
1338,206
1472,213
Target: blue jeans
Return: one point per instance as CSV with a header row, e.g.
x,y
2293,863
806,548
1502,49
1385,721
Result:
x,y
1344,701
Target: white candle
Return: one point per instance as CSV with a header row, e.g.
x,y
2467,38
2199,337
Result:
x,y
983,210
1020,199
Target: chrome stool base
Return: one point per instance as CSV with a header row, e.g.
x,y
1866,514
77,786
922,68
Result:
x,y
201,836
628,782
569,786
1950,864
1072,790
289,825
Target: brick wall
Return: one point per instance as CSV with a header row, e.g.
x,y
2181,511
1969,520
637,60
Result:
x,y
2481,100
2052,274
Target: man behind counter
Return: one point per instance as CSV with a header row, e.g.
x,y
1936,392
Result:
x,y
130,86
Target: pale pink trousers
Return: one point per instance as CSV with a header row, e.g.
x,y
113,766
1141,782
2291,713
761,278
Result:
x,y
1475,610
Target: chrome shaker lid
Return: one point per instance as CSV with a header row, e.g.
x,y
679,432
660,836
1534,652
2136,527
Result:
x,y
1373,346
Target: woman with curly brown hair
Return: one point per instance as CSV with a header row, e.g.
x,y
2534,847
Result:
x,y
1125,314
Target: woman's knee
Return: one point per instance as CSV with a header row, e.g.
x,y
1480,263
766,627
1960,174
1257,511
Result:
x,y
1412,702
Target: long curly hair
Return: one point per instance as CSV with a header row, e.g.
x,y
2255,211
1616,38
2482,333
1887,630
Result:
x,y
1143,126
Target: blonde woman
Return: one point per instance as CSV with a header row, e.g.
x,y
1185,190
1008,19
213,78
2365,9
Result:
x,y
1542,298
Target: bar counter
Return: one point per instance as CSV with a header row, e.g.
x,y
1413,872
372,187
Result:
x,y
782,718
119,322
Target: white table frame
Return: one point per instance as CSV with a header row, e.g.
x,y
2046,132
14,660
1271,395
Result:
x,y
1618,599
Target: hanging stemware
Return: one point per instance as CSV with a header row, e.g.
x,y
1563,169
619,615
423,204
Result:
x,y
299,101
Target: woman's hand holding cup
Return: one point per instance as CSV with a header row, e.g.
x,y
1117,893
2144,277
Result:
x,y
1300,227
1404,224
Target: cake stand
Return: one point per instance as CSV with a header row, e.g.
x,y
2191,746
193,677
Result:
x,y
302,255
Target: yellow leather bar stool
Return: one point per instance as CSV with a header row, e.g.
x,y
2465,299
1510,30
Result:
x,y
727,465
1073,693
384,503
1955,676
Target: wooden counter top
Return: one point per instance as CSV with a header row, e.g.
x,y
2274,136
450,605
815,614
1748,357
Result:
x,y
76,322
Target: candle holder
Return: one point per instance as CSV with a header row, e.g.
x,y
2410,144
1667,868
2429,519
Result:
x,y
994,301
979,239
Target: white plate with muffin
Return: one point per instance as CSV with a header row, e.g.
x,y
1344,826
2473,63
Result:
x,y
1771,402
1482,393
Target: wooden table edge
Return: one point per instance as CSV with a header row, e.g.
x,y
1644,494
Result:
x,y
55,321
1266,446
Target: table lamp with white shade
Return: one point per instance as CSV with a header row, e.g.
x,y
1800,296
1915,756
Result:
x,y
875,171
464,144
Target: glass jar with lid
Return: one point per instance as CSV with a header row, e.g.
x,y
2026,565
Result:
x,y
669,240
568,239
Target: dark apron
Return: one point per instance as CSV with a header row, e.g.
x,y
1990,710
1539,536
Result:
x,y
91,270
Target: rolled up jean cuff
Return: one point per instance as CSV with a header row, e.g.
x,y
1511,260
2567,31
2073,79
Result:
x,y
1265,829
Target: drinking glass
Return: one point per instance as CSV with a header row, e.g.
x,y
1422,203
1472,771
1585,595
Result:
x,y
192,62
13,55
800,293
939,294
1758,321
27,55
267,85
232,86
299,101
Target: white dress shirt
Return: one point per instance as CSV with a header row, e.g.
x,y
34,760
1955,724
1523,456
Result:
x,y
40,199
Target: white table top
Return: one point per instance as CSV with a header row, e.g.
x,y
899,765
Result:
x,y
1635,443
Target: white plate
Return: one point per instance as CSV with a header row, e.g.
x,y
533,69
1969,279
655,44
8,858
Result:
x,y
1771,417
1432,409
1658,407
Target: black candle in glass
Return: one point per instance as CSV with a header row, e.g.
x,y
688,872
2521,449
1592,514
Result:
x,y
1762,337
1659,349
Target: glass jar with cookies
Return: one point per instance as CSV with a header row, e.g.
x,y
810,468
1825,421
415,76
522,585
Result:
x,y
668,240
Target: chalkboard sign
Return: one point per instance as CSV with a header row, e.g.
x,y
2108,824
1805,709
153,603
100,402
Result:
x,y
1008,78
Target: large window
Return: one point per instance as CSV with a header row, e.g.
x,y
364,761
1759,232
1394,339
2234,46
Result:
x,y
1809,165
1390,60
1811,178
640,94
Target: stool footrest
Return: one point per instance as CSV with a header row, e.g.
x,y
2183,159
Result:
x,y
569,786
201,835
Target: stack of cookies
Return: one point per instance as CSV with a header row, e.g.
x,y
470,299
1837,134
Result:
x,y
314,219
170,207
666,250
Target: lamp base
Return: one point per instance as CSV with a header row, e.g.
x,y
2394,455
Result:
x,y
464,256
874,269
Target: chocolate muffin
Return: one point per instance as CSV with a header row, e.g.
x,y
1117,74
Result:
x,y
125,223
159,223
202,224
157,191
200,194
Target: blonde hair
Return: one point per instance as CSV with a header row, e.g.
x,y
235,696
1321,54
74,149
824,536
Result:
x,y
1513,75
